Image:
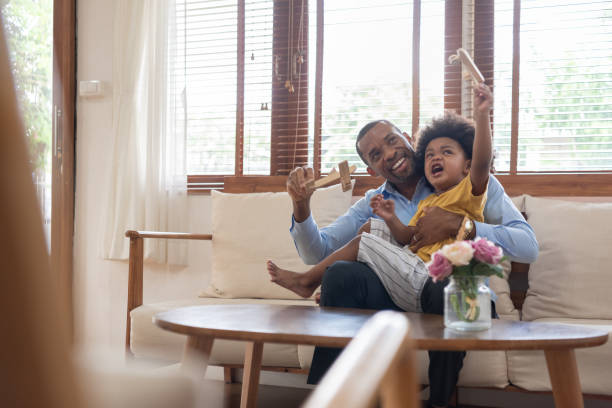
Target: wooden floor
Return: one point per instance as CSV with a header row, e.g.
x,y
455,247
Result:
x,y
221,395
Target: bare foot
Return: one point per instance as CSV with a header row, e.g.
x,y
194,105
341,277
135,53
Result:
x,y
295,282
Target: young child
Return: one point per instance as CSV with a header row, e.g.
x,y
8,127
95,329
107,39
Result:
x,y
456,159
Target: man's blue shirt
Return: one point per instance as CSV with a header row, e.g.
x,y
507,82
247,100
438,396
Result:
x,y
504,225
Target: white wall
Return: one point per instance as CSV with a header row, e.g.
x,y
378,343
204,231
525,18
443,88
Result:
x,y
100,286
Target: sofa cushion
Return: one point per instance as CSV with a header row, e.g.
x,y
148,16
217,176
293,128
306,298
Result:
x,y
480,368
503,305
249,229
519,202
574,260
527,369
151,342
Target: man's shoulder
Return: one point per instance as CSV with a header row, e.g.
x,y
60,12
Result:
x,y
494,182
495,190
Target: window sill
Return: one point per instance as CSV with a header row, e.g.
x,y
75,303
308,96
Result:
x,y
536,184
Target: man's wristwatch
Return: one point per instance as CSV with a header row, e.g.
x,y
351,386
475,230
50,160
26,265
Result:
x,y
467,226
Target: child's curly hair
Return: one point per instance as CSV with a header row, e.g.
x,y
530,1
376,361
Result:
x,y
450,125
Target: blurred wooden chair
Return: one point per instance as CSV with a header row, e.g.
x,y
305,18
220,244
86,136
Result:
x,y
37,368
378,364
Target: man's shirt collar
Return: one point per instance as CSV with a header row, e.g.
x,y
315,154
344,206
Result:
x,y
421,191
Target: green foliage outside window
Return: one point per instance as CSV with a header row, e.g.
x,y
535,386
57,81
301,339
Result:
x,y
29,25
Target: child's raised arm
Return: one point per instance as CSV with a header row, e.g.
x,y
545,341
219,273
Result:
x,y
480,166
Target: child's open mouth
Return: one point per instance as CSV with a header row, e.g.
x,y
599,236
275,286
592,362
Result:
x,y
436,169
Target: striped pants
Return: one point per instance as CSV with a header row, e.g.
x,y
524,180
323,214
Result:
x,y
402,273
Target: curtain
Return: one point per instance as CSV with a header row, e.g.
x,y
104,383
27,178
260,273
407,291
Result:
x,y
148,178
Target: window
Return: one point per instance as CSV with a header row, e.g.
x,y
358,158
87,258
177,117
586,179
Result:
x,y
257,86
564,120
379,61
367,73
431,60
221,107
209,33
272,85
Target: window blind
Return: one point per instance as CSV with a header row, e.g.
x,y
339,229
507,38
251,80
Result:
x,y
431,61
207,32
565,94
290,86
208,38
367,73
502,93
257,86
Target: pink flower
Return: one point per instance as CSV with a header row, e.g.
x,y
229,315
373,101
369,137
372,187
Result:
x,y
458,253
439,267
486,251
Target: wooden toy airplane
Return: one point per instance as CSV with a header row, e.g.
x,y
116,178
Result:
x,y
344,175
467,61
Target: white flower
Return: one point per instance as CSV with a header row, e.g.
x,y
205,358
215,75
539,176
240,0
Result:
x,y
458,253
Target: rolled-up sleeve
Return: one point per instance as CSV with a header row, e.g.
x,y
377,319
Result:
x,y
314,244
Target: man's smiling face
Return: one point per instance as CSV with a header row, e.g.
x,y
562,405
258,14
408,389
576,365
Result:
x,y
388,153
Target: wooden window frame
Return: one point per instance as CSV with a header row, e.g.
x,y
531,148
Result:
x,y
63,148
289,112
556,184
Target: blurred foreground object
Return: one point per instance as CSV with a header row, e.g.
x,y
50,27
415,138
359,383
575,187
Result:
x,y
378,362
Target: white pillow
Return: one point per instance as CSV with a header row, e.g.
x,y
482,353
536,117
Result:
x,y
249,229
519,202
572,276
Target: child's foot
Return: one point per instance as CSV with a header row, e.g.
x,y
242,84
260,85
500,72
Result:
x,y
295,282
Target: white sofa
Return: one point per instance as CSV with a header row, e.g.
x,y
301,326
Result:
x,y
568,283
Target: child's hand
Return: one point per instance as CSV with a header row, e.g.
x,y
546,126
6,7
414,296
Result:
x,y
483,99
385,209
375,201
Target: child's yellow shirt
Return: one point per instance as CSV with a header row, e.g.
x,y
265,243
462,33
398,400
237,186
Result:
x,y
459,200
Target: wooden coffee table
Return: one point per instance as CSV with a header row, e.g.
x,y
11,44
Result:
x,y
335,327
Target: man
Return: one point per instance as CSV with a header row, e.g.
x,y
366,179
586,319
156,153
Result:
x,y
388,153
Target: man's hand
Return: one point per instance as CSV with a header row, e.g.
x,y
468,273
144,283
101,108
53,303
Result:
x,y
385,209
296,183
300,195
318,298
435,226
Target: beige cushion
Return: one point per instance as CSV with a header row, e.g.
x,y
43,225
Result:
x,y
519,202
249,229
575,260
149,341
480,368
527,369
504,306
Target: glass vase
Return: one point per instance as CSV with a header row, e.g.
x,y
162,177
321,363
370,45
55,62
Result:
x,y
467,303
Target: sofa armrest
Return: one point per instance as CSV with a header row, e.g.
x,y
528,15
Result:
x,y
168,235
136,261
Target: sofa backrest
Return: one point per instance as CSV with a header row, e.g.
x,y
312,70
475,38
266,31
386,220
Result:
x,y
571,277
519,276
250,229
